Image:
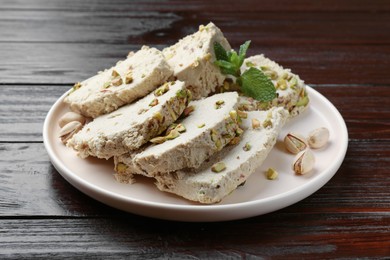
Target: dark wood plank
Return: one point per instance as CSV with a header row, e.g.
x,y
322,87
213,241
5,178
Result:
x,y
195,6
48,63
24,108
309,236
31,186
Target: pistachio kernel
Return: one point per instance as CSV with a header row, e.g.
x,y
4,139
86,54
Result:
x,y
173,134
69,130
235,140
129,77
154,102
115,74
233,115
181,128
158,140
121,168
242,114
218,167
271,174
207,57
239,131
271,74
158,116
295,143
201,125
247,147
219,104
267,123
250,64
107,84
161,90
117,81
255,123
188,110
170,128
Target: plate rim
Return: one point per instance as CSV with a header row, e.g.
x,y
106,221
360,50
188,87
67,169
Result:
x,y
284,199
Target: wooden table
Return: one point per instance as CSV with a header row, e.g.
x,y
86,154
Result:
x,y
341,48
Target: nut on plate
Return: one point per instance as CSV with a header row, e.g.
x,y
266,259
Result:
x,y
295,143
304,162
69,117
318,137
69,130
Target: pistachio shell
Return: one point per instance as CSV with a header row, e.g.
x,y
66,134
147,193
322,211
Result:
x,y
318,137
295,143
304,162
69,130
69,117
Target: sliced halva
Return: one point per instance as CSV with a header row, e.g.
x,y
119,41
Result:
x,y
232,165
132,125
192,60
290,89
205,131
130,79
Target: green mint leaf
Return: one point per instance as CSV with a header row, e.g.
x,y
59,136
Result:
x,y
235,59
220,52
242,51
255,84
226,67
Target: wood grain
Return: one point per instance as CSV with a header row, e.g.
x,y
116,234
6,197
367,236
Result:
x,y
341,48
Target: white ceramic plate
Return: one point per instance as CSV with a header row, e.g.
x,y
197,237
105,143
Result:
x,y
258,196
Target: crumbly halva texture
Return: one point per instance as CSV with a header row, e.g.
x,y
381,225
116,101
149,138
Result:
x,y
192,60
132,125
207,186
190,148
128,80
290,89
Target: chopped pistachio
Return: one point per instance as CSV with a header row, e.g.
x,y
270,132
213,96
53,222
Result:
x,y
219,104
172,135
284,75
107,85
293,82
129,77
158,116
154,102
267,123
264,67
242,114
143,76
161,90
214,135
188,110
201,125
158,140
115,74
271,74
302,102
77,86
235,140
250,64
181,93
281,84
207,57
271,174
255,123
218,167
247,147
239,132
181,128
170,128
121,168
117,81
226,85
218,144
233,115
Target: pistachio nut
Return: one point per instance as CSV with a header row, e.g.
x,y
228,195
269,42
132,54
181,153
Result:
x,y
295,143
69,130
255,123
271,174
318,137
218,167
304,162
69,117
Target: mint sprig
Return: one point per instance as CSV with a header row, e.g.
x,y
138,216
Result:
x,y
253,82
